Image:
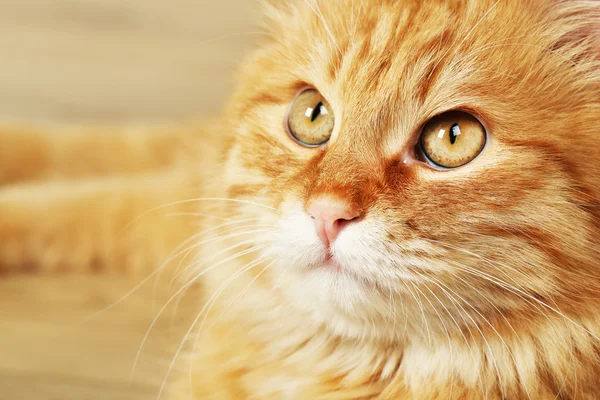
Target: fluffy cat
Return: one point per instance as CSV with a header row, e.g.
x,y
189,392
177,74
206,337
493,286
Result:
x,y
402,202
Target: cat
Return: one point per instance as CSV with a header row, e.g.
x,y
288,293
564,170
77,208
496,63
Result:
x,y
401,201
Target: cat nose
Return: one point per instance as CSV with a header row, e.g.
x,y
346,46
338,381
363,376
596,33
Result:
x,y
331,217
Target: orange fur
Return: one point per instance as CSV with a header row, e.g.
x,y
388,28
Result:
x,y
479,282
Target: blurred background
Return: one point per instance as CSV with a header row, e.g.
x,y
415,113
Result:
x,y
110,62
114,60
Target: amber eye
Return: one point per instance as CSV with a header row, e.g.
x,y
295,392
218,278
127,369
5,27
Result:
x,y
453,139
310,119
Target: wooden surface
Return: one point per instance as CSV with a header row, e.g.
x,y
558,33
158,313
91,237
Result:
x,y
57,343
84,61
117,60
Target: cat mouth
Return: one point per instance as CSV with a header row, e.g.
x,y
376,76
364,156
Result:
x,y
331,262
337,269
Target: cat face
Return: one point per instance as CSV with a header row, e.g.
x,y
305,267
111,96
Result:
x,y
388,222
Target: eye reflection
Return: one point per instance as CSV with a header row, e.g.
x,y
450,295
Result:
x,y
310,119
452,139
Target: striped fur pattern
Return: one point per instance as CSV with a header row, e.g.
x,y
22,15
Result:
x,y
481,282
476,283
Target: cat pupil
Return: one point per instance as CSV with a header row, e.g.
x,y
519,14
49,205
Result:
x,y
316,112
454,132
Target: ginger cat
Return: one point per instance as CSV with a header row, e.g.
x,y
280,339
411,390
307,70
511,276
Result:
x,y
402,201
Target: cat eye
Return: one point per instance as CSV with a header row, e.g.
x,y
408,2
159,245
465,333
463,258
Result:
x,y
310,119
452,139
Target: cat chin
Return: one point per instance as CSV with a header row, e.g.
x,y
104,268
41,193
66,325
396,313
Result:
x,y
341,303
353,291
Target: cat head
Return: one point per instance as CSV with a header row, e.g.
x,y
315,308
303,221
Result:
x,y
423,163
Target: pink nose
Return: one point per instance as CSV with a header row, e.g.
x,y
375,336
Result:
x,y
331,217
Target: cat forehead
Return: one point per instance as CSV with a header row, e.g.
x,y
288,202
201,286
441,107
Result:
x,y
367,44
381,20
385,56
367,54
388,66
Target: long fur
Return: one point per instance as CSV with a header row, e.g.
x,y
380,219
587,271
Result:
x,y
481,282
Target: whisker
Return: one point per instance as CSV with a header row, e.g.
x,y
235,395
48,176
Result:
x,y
162,266
196,214
236,299
218,239
487,261
194,264
231,303
517,291
463,314
200,199
207,306
191,248
181,290
545,314
482,274
494,307
319,14
424,319
445,329
498,375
